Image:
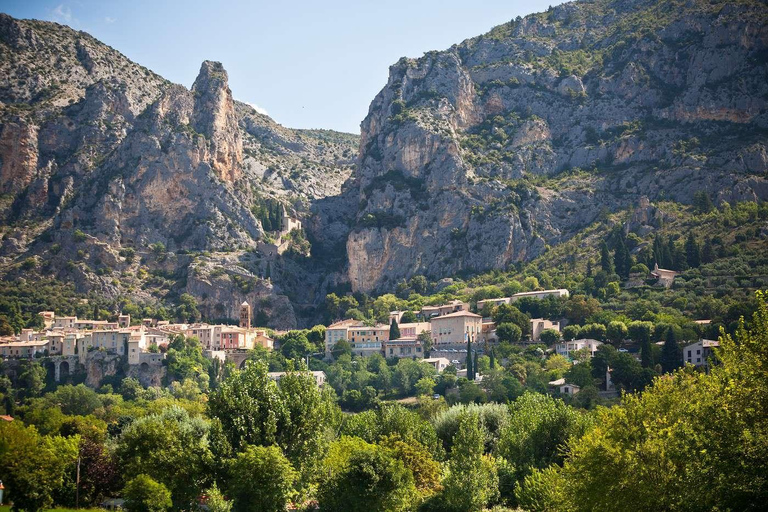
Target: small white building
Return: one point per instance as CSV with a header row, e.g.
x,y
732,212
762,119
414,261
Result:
x,y
699,353
541,294
539,324
564,348
440,363
319,376
569,389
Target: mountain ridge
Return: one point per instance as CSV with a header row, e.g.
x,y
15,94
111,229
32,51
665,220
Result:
x,y
624,89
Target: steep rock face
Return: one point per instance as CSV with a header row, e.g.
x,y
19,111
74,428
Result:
x,y
214,116
481,155
119,182
168,182
18,156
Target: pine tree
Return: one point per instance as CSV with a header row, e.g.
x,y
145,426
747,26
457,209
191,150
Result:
x,y
394,330
692,251
606,262
702,202
670,358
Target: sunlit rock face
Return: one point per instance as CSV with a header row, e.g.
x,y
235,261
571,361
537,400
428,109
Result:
x,y
598,111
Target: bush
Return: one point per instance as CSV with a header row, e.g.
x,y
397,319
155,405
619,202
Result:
x,y
262,480
143,494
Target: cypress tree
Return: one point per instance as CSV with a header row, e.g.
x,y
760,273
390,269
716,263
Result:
x,y
707,252
493,359
669,255
589,267
692,251
394,330
646,356
606,262
670,358
469,358
622,259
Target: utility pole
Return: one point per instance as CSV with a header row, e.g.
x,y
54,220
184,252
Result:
x,y
77,484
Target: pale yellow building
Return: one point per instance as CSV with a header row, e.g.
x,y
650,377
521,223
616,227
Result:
x,y
456,328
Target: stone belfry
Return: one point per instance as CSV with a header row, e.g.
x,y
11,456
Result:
x,y
245,315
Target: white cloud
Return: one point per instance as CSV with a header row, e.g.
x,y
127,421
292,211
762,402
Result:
x,y
110,20
62,13
257,108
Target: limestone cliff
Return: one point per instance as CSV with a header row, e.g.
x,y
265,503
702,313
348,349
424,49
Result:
x,y
127,185
482,155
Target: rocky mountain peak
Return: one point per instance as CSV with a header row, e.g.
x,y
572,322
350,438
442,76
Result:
x,y
14,34
214,116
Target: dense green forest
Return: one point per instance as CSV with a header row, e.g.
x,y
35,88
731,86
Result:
x,y
238,440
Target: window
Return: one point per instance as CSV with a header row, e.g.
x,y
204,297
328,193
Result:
x,y
689,354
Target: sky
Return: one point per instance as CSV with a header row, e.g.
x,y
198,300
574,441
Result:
x,y
308,64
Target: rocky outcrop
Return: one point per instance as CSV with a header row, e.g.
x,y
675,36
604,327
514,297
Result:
x,y
18,156
214,116
127,176
482,155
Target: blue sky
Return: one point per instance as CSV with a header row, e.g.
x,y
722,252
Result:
x,y
308,64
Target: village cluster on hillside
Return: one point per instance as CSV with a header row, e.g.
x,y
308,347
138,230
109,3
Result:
x,y
442,335
68,340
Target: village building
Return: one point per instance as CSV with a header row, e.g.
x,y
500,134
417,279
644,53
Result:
x,y
412,330
336,332
319,376
663,276
64,322
48,318
123,321
454,306
540,324
698,354
456,328
24,349
541,294
367,341
565,348
569,389
403,347
440,363
481,304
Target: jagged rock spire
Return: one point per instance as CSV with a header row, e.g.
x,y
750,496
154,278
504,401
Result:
x,y
214,116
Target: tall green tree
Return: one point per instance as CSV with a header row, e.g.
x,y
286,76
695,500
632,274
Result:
x,y
622,259
366,477
473,481
692,251
33,466
606,262
394,330
709,433
261,479
670,352
641,333
469,360
143,494
170,447
294,414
